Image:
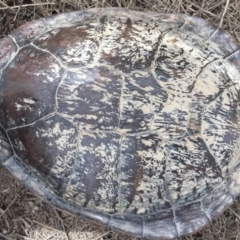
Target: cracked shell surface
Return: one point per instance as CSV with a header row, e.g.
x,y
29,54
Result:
x,y
127,119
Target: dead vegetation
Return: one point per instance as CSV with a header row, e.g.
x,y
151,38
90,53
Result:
x,y
22,215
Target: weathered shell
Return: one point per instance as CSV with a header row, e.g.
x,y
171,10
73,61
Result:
x,y
124,118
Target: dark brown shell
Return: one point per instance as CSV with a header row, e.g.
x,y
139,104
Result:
x,y
124,118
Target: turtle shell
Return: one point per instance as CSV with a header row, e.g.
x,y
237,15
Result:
x,y
124,118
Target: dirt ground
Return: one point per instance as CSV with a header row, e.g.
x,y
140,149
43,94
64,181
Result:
x,y
22,215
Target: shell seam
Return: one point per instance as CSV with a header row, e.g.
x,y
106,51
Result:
x,y
33,123
75,158
174,220
120,102
97,54
203,210
56,94
120,176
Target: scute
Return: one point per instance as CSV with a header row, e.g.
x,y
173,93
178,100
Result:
x,y
30,89
91,98
124,118
75,46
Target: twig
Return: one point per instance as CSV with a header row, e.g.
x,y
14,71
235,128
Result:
x,y
98,238
4,237
224,12
46,226
26,5
4,211
4,4
60,219
234,213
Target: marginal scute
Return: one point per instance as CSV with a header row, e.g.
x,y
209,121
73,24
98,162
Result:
x,y
232,64
131,224
160,224
8,50
220,125
221,38
198,26
192,171
96,216
214,204
69,207
17,168
68,20
28,32
232,170
28,87
5,146
190,218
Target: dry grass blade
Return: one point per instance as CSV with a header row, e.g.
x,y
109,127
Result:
x,y
26,5
224,12
4,237
4,4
